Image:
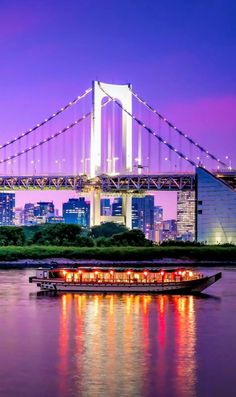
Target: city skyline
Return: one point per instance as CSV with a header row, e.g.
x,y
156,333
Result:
x,y
181,93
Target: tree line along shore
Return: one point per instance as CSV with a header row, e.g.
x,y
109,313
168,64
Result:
x,y
109,241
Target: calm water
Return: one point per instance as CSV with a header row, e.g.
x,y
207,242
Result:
x,y
116,345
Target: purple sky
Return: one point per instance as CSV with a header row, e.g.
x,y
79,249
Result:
x,y
180,56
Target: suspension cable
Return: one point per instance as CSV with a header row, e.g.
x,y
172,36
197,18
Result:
x,y
85,116
155,134
45,121
154,111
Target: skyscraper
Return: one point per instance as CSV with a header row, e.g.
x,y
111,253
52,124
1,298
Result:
x,y
117,207
143,215
105,207
45,209
77,211
7,209
186,215
29,214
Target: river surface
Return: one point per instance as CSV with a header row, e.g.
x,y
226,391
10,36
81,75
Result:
x,y
116,345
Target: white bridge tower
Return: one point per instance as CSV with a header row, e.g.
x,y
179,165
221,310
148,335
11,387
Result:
x,y
123,94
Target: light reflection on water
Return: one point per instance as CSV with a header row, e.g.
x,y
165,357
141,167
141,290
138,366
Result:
x,y
93,345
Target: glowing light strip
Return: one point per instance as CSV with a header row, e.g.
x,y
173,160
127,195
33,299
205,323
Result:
x,y
47,119
202,149
150,130
85,116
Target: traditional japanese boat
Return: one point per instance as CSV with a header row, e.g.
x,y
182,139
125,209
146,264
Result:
x,y
135,280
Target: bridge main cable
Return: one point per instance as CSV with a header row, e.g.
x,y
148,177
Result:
x,y
45,121
155,134
85,116
181,133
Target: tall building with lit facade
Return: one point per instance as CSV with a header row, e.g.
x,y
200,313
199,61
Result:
x,y
143,215
39,213
169,230
7,209
19,217
44,208
76,211
158,220
216,210
117,207
29,214
105,207
186,208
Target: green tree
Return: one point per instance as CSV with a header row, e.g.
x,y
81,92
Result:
x,y
108,229
131,238
11,235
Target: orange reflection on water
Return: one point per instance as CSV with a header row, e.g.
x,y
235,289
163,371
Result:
x,y
63,344
185,326
127,344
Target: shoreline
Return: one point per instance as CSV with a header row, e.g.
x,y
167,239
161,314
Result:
x,y
62,262
158,256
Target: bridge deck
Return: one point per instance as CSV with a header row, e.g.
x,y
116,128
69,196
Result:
x,y
107,183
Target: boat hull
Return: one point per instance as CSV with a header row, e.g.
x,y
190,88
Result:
x,y
184,287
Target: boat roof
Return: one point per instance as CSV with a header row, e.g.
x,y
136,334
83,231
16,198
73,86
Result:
x,y
115,269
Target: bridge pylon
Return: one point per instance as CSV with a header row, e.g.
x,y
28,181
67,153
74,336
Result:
x,y
95,210
123,94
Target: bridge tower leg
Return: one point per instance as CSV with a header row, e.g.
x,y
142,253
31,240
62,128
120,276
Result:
x,y
127,209
124,95
95,207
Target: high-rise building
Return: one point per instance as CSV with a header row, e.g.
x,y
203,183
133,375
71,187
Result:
x,y
19,217
45,209
117,207
158,219
186,215
7,209
158,215
38,213
169,230
77,211
105,207
29,218
216,210
143,215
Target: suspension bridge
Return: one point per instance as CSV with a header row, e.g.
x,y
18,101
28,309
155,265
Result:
x,y
108,140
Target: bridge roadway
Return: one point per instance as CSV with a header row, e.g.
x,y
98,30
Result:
x,y
109,183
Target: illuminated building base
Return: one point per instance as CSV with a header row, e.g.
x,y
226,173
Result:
x,y
216,210
95,210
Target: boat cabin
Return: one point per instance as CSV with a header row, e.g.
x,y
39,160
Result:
x,y
116,275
